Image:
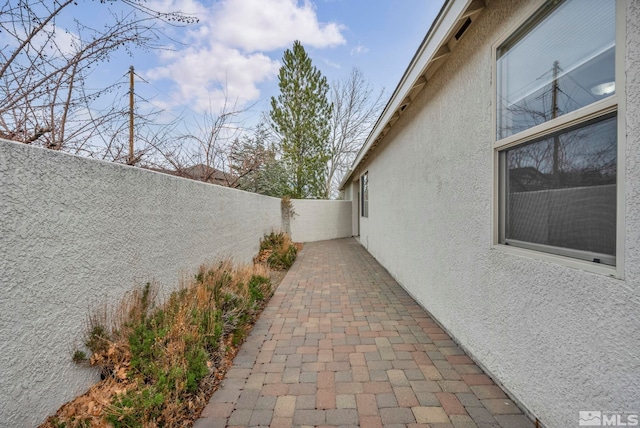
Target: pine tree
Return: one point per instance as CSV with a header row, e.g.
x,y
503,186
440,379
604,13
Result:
x,y
300,116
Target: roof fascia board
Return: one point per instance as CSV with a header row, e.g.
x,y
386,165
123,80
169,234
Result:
x,y
441,30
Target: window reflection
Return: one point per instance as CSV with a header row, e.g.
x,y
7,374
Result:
x,y
566,62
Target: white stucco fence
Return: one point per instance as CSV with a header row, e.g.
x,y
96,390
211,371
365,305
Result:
x,y
76,233
318,220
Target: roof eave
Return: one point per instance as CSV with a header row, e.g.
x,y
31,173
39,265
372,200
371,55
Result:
x,y
433,51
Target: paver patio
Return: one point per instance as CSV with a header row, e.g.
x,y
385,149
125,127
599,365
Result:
x,y
342,344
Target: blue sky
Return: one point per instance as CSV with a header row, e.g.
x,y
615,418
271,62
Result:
x,y
234,52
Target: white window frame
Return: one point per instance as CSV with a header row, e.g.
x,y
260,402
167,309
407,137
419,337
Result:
x,y
364,203
614,103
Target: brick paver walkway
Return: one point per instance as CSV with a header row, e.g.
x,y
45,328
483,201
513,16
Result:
x,y
342,344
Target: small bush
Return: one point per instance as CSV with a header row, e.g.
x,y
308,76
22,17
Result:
x,y
273,240
277,250
98,339
257,286
133,408
283,259
197,369
79,357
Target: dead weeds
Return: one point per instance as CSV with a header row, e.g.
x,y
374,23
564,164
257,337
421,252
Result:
x,y
161,362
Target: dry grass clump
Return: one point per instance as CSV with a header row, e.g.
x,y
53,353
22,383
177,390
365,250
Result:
x,y
160,362
277,250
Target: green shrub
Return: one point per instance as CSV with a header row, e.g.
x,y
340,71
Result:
x,y
279,250
272,240
98,340
79,357
135,407
196,367
171,346
282,258
257,285
145,343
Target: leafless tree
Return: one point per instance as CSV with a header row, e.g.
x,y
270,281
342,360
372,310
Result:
x,y
202,153
46,56
356,106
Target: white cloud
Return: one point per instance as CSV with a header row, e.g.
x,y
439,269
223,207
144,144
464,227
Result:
x,y
331,63
259,25
66,41
207,77
360,49
225,56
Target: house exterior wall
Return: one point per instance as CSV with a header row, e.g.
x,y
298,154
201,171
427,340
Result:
x,y
351,194
77,233
560,339
319,220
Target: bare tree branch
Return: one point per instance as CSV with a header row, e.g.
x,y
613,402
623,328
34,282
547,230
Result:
x,y
43,96
355,109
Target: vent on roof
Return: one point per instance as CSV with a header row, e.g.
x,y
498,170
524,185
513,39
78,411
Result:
x,y
463,28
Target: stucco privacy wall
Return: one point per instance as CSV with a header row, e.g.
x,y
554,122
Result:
x,y
559,339
318,220
76,233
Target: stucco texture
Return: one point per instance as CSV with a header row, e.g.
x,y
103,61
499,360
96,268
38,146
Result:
x,y
559,339
77,233
319,220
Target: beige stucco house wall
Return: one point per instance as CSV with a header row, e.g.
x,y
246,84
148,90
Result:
x,y
559,335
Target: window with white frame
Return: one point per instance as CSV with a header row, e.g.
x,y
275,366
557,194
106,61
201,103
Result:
x,y
364,194
556,132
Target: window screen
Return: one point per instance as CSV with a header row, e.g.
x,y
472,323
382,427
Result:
x,y
561,190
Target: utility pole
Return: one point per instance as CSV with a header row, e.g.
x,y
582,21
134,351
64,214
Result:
x,y
554,114
131,157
